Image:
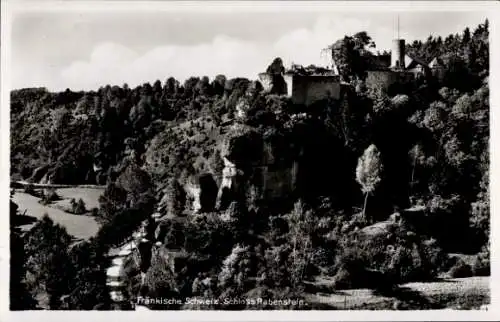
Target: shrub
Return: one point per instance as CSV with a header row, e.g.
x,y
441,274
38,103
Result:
x,y
344,279
160,282
396,255
120,227
78,208
94,212
174,236
481,265
50,196
460,270
30,189
208,234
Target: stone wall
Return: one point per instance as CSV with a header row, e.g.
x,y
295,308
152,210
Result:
x,y
381,78
386,78
306,90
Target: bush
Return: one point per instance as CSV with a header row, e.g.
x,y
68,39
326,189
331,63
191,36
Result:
x,y
344,279
160,282
120,227
50,196
30,189
481,265
208,234
460,270
78,208
397,256
481,268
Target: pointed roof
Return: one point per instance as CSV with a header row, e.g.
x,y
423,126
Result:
x,y
436,62
412,62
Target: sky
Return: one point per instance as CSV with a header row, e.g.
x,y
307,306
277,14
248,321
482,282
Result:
x,y
86,50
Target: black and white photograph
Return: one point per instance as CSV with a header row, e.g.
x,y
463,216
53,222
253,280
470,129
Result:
x,y
247,156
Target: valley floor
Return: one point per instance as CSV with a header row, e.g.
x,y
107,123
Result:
x,y
79,226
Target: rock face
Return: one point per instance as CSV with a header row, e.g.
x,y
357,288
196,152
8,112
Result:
x,y
201,191
255,168
193,191
228,185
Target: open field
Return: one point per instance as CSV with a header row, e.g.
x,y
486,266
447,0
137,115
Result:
x,y
464,293
79,226
89,196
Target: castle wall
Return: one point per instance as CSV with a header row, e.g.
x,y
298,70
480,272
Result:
x,y
308,89
382,79
386,78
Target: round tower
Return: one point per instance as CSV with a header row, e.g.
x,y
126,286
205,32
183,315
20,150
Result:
x,y
398,53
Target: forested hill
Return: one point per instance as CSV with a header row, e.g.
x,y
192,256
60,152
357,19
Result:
x,y
347,163
434,141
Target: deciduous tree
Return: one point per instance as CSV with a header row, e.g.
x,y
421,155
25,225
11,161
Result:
x,y
369,171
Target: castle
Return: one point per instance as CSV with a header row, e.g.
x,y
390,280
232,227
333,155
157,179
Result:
x,y
311,84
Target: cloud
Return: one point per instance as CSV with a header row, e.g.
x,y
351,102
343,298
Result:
x,y
115,64
99,51
111,63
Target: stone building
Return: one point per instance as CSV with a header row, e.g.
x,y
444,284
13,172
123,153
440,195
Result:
x,y
305,85
402,69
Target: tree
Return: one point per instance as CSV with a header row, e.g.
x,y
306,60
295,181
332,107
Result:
x,y
368,172
46,249
466,36
190,86
417,157
171,86
20,297
139,188
111,201
218,84
229,272
203,86
160,281
78,207
435,117
120,227
88,289
276,70
301,224
351,54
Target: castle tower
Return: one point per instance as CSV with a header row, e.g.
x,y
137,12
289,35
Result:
x,y
398,53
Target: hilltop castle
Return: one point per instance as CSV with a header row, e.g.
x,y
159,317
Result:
x,y
311,84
